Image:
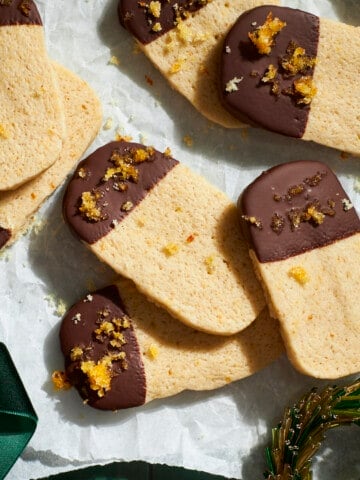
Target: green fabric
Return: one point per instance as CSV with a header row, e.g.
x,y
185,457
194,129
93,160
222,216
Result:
x,y
135,471
17,416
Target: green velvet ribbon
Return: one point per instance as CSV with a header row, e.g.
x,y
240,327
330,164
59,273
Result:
x,y
17,416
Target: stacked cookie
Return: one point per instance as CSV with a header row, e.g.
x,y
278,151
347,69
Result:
x,y
187,311
245,63
190,314
48,118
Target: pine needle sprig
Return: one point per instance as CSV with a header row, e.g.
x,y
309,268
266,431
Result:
x,y
298,437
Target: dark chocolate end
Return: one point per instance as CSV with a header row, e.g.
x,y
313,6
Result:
x,y
109,184
146,24
5,236
92,331
293,208
247,88
19,12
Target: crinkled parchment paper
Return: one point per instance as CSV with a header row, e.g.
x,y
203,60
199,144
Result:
x,y
224,431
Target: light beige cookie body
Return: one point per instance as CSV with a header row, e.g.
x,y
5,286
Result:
x,y
304,239
167,229
315,297
334,118
188,56
32,123
178,358
83,119
122,351
182,247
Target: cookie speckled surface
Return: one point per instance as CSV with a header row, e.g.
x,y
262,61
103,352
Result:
x,y
177,237
122,351
304,239
188,54
32,123
280,70
83,119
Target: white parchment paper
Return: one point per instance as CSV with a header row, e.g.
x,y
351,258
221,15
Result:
x,y
221,432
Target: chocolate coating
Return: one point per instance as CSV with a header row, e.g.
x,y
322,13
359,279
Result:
x,y
253,102
139,22
19,12
5,236
128,386
95,166
269,195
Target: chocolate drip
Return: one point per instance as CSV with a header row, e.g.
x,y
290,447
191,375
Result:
x,y
140,22
94,167
128,385
19,12
271,206
253,102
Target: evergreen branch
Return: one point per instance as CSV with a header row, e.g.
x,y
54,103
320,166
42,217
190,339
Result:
x,y
299,435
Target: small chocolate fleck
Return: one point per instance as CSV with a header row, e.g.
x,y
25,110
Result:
x,y
5,235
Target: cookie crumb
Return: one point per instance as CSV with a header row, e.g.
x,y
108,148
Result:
x,y
188,140
114,60
171,249
253,220
277,223
127,206
299,274
153,351
347,205
232,85
76,318
88,207
108,124
76,353
157,27
60,380
177,65
305,90
98,374
81,173
296,61
210,264
3,132
263,37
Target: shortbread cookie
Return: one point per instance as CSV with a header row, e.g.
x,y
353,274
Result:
x,y
83,119
32,124
183,40
177,237
122,351
304,237
294,73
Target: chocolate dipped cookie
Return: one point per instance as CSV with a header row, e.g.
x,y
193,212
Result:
x,y
83,120
183,39
304,239
32,123
294,73
176,236
122,351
